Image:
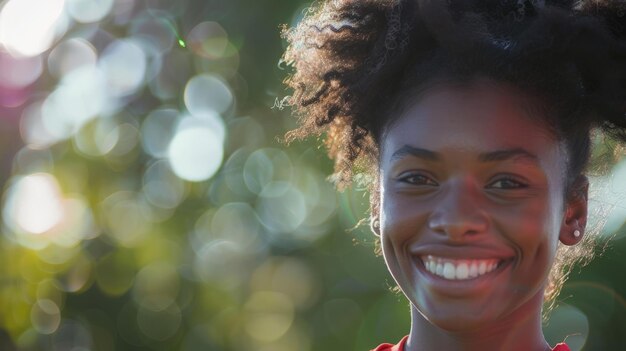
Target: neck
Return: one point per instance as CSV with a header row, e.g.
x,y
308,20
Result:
x,y
521,330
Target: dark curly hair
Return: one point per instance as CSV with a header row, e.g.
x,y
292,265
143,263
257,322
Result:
x,y
357,61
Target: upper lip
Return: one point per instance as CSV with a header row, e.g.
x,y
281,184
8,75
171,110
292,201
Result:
x,y
473,251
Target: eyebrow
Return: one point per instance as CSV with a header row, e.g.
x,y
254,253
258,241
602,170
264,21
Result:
x,y
492,156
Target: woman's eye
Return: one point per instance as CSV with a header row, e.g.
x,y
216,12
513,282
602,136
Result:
x,y
507,183
418,179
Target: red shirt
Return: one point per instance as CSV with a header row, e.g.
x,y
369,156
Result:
x,y
400,346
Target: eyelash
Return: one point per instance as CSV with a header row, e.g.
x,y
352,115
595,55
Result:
x,y
406,179
518,184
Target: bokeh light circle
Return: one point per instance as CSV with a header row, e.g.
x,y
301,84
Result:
x,y
80,96
19,72
284,210
153,31
319,194
25,31
269,315
196,153
207,93
235,222
609,200
34,204
251,134
156,286
208,39
162,187
223,262
89,11
124,138
45,316
159,325
32,128
97,137
33,160
124,64
114,275
69,55
78,277
232,172
290,276
72,335
567,321
157,131
265,166
174,74
210,120
127,218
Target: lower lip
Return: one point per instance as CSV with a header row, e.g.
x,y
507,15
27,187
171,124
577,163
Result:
x,y
460,288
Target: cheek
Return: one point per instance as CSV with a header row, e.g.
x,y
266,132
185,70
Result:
x,y
402,221
402,217
529,227
532,231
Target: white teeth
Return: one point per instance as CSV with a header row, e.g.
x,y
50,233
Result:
x,y
459,269
473,271
448,270
482,268
462,271
439,269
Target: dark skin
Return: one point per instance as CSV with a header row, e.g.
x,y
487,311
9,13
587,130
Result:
x,y
468,178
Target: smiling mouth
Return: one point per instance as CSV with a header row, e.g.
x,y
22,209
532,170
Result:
x,y
459,269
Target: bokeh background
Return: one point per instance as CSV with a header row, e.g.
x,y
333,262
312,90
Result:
x,y
148,202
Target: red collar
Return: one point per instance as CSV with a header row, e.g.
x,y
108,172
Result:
x,y
400,346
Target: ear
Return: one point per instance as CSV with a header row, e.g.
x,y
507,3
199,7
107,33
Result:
x,y
375,224
575,220
375,211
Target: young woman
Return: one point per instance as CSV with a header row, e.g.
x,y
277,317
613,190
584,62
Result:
x,y
474,122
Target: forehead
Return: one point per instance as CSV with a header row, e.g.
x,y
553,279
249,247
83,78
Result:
x,y
472,119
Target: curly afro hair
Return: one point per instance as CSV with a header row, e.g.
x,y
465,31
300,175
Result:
x,y
356,61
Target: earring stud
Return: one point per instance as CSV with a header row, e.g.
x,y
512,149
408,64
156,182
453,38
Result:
x,y
576,233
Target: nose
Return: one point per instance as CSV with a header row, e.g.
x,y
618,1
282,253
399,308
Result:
x,y
459,215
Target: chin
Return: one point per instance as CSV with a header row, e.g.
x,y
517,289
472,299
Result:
x,y
458,324
455,319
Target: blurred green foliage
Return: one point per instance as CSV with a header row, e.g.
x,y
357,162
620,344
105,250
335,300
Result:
x,y
150,205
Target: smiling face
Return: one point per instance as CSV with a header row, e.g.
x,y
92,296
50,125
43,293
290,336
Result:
x,y
471,205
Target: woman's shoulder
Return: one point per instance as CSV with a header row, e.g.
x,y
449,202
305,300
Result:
x,y
400,346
